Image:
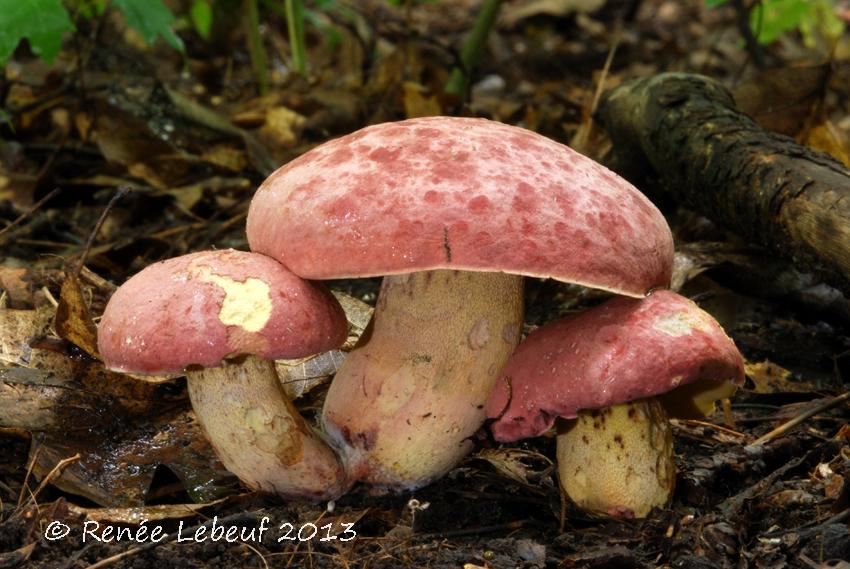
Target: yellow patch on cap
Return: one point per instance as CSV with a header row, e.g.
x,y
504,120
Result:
x,y
246,304
682,323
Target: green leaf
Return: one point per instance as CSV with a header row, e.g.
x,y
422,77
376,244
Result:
x,y
715,3
150,18
202,17
772,18
821,24
42,22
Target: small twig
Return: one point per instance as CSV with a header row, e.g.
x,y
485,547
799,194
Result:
x,y
50,475
716,427
731,505
17,221
228,520
788,425
582,136
30,466
812,528
296,544
728,417
90,241
743,18
562,507
606,67
815,565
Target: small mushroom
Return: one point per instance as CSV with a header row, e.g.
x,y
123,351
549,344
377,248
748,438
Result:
x,y
222,316
610,376
452,212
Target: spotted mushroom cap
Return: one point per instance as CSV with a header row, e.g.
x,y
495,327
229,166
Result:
x,y
459,193
622,350
200,308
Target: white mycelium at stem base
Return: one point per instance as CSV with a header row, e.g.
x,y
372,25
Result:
x,y
407,399
194,313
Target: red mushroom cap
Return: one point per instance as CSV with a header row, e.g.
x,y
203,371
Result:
x,y
200,308
622,350
464,194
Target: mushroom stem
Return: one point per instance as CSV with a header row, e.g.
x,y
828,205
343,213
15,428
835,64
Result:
x,y
617,461
407,399
258,433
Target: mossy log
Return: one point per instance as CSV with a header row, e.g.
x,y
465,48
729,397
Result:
x,y
679,135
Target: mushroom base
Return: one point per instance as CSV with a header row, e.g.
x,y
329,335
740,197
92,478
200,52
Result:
x,y
407,399
617,461
259,435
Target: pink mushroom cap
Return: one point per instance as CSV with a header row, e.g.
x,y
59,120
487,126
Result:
x,y
203,307
622,350
464,194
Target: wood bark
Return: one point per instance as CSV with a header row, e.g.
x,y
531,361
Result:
x,y
681,135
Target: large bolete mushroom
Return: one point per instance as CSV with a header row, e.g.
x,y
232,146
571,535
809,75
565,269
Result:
x,y
453,212
610,376
222,316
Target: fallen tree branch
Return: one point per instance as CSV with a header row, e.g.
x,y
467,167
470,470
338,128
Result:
x,y
681,134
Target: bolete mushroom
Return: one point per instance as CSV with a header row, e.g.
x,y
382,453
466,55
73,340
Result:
x,y
610,376
453,212
222,316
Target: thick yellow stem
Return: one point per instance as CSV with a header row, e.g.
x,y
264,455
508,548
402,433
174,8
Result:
x,y
408,398
258,433
618,461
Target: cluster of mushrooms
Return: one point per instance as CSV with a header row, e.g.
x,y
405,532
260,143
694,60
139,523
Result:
x,y
453,213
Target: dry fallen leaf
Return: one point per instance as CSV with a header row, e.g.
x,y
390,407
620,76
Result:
x,y
417,103
282,128
514,463
827,138
73,321
781,100
128,140
18,328
116,469
17,284
516,12
226,157
300,376
769,377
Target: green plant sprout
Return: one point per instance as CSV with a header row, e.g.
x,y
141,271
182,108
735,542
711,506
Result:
x,y
295,28
259,58
470,53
